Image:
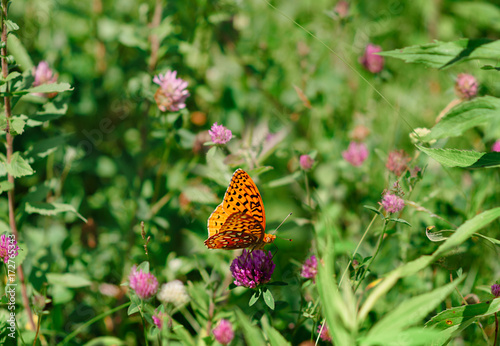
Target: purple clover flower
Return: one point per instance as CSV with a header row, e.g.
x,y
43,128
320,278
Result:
x,y
310,268
466,86
6,245
370,61
355,154
224,333
44,75
145,285
158,318
252,269
220,134
392,203
172,92
397,162
495,290
324,333
306,162
496,146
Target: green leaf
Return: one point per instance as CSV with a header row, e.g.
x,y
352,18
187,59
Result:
x,y
105,341
11,25
46,88
409,337
467,114
254,298
17,124
445,54
50,209
462,158
467,229
268,298
375,210
50,111
134,305
273,336
399,220
46,146
11,76
18,167
67,280
410,312
253,335
451,317
183,334
6,186
17,49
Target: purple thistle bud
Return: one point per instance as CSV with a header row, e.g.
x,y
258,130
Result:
x,y
219,134
496,146
224,333
466,86
397,162
495,290
172,92
306,162
145,285
355,154
370,61
392,203
310,268
8,248
44,75
252,269
324,333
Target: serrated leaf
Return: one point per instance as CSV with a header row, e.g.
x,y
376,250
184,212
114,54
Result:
x,y
444,54
46,88
50,209
11,25
458,158
5,186
67,280
254,298
17,124
465,115
18,167
268,298
11,76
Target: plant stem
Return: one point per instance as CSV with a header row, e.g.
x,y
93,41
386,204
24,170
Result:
x,y
10,152
496,329
379,244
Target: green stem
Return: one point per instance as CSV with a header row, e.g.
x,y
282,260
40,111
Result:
x,y
496,330
379,244
141,312
308,198
90,322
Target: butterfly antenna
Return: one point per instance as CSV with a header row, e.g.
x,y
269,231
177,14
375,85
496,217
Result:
x,y
282,222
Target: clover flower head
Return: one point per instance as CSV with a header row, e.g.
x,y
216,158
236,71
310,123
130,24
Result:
x,y
224,333
355,154
158,318
342,9
44,75
466,86
371,61
220,134
172,92
324,333
252,269
397,162
392,203
145,285
496,146
306,162
310,268
173,292
8,248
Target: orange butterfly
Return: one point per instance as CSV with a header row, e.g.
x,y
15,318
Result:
x,y
240,220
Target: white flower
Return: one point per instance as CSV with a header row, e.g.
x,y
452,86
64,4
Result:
x,y
173,292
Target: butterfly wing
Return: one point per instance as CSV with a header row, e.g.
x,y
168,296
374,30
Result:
x,y
242,196
239,231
